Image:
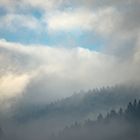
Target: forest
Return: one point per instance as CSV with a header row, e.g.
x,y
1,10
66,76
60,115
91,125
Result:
x,y
99,114
121,125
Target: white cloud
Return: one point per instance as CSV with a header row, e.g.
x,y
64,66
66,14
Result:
x,y
107,17
46,73
12,84
103,22
137,50
46,4
11,5
15,21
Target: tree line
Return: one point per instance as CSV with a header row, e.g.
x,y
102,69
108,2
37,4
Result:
x,y
123,124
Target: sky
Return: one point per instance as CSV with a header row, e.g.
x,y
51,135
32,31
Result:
x,y
50,49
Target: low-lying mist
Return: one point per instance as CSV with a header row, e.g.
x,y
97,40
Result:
x,y
41,121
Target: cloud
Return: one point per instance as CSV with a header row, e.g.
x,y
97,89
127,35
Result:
x,y
102,22
11,5
111,19
46,4
103,3
15,21
137,50
12,84
46,73
128,11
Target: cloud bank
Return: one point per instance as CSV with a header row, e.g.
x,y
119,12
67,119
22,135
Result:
x,y
50,72
107,16
46,73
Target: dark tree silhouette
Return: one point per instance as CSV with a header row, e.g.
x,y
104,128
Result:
x,y
121,125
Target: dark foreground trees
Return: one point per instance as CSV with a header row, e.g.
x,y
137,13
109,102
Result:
x,y
120,125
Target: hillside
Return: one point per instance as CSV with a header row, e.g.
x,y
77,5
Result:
x,y
80,105
25,120
121,125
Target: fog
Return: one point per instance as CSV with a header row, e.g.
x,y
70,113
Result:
x,y
66,61
44,74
